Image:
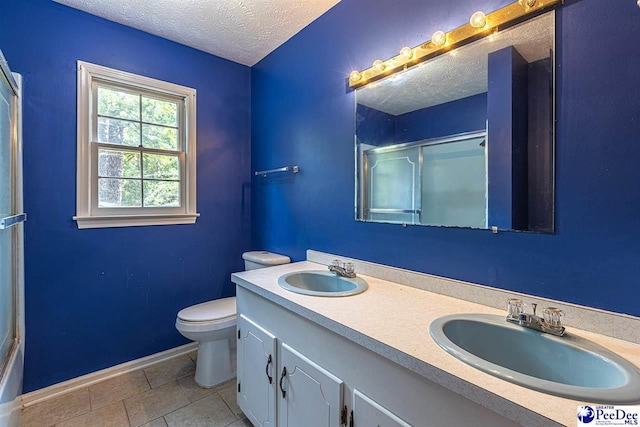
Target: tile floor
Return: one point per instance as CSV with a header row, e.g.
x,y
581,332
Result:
x,y
163,395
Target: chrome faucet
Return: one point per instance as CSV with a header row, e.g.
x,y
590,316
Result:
x,y
551,323
342,269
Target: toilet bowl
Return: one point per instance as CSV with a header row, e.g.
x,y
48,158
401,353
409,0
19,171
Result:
x,y
213,325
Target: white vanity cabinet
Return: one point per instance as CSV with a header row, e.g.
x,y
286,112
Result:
x,y
273,378
256,354
308,395
325,372
367,412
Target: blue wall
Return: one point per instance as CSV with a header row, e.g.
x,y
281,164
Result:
x,y
459,116
301,114
96,298
507,114
375,127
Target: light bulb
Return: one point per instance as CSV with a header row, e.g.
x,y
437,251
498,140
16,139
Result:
x,y
378,65
355,76
478,20
638,3
407,52
439,38
527,3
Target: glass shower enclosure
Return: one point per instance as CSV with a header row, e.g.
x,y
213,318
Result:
x,y
11,248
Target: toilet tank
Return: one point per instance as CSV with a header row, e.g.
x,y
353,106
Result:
x,y
260,259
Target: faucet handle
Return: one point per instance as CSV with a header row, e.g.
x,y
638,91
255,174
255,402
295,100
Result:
x,y
515,307
349,268
553,317
336,263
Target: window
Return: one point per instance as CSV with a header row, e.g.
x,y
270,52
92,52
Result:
x,y
136,150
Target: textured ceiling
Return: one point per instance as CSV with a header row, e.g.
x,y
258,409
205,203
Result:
x,y
243,31
459,74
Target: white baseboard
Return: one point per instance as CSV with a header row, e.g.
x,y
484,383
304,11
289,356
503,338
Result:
x,y
68,386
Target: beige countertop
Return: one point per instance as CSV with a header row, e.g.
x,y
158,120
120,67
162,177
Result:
x,y
393,321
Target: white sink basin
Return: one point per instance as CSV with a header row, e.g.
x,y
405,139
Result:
x,y
321,283
568,366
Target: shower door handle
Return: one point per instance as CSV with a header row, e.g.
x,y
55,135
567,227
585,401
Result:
x,y
10,221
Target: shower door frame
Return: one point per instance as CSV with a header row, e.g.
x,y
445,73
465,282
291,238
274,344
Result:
x,y
11,366
363,176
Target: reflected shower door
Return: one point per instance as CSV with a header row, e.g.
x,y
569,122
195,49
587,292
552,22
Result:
x,y
454,184
393,186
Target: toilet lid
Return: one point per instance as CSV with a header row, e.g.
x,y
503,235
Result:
x,y
266,258
207,311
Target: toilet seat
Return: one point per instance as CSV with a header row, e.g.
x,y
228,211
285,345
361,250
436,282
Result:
x,y
210,311
212,325
208,316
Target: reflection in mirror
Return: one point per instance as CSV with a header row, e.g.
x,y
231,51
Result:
x,y
465,139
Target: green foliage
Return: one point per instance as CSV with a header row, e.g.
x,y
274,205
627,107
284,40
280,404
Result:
x,y
157,166
136,131
161,193
159,112
159,137
118,132
118,104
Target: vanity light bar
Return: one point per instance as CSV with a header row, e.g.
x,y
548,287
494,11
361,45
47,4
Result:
x,y
441,42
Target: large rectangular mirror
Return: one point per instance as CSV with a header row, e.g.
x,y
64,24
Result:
x,y
464,139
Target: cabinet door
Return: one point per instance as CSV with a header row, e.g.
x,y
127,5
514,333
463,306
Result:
x,y
368,413
256,370
308,395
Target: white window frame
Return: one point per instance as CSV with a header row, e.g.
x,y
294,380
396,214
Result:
x,y
88,214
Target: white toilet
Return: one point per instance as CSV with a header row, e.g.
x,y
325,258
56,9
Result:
x,y
213,325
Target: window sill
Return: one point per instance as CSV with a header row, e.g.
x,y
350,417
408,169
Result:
x,y
134,220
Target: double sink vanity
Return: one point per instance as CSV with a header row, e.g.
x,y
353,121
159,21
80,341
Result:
x,y
403,355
